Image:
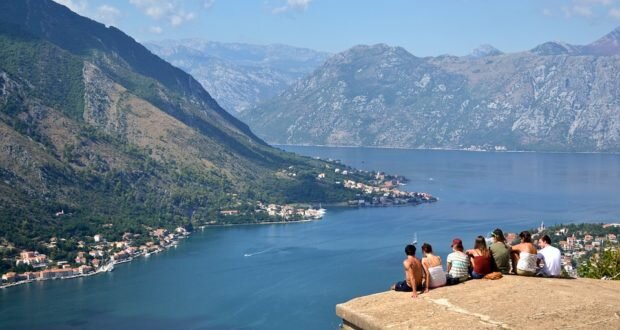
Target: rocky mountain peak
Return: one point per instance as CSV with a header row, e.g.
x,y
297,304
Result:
x,y
608,45
555,48
485,50
370,53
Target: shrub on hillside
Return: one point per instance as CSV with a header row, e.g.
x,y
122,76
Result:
x,y
605,265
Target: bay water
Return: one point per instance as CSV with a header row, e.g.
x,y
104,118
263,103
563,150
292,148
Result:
x,y
292,275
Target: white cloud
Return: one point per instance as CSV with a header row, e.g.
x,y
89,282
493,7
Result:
x,y
596,2
292,5
107,14
156,30
78,6
171,11
583,11
547,12
207,4
615,13
589,9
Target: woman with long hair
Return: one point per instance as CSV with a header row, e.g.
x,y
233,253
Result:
x,y
524,255
481,258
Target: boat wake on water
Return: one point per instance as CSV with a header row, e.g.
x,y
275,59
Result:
x,y
255,253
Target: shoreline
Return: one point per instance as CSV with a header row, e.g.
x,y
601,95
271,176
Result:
x,y
108,267
441,149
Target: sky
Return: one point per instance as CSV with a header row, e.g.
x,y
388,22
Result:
x,y
423,27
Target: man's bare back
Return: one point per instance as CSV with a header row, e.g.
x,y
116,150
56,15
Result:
x,y
413,273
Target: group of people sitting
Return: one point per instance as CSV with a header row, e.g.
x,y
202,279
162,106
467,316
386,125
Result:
x,y
521,259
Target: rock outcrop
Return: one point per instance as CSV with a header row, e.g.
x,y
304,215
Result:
x,y
512,302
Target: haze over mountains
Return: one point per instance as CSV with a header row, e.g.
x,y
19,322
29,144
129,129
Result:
x,y
95,125
239,76
555,97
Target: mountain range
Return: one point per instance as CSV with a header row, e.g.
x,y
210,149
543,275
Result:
x,y
97,134
239,76
554,97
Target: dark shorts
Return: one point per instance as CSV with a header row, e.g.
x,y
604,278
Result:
x,y
403,286
477,276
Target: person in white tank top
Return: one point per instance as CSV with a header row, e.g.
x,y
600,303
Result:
x,y
434,274
524,256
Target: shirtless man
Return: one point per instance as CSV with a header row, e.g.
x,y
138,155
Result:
x,y
413,273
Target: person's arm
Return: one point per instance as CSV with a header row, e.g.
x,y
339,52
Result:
x,y
448,264
493,263
427,277
411,279
515,249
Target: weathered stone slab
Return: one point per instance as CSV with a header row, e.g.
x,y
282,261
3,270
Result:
x,y
511,302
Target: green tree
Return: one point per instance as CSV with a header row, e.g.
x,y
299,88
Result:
x,y
605,265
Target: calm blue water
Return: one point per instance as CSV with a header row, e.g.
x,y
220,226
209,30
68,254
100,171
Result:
x,y
298,272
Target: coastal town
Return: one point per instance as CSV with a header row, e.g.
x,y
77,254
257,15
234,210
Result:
x,y
97,255
386,195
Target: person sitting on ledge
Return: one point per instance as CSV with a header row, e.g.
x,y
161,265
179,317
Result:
x,y
413,273
500,252
524,255
458,263
551,257
434,276
480,258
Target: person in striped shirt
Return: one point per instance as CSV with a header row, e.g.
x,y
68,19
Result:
x,y
458,262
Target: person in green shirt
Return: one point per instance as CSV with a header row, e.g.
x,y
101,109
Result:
x,y
500,252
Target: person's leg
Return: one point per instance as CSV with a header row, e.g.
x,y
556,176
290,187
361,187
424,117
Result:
x,y
402,286
476,276
451,280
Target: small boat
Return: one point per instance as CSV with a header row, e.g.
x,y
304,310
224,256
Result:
x,y
108,267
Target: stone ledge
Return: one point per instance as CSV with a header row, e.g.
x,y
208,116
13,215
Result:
x,y
511,302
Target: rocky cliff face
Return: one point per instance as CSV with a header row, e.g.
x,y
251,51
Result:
x,y
555,97
239,76
94,124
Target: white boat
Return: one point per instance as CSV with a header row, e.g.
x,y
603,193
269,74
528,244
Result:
x,y
108,267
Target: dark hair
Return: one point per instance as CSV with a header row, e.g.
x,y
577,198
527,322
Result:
x,y
526,236
546,239
499,235
458,246
410,250
427,248
481,244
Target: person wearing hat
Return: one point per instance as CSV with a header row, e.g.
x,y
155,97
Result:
x,y
500,252
458,262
